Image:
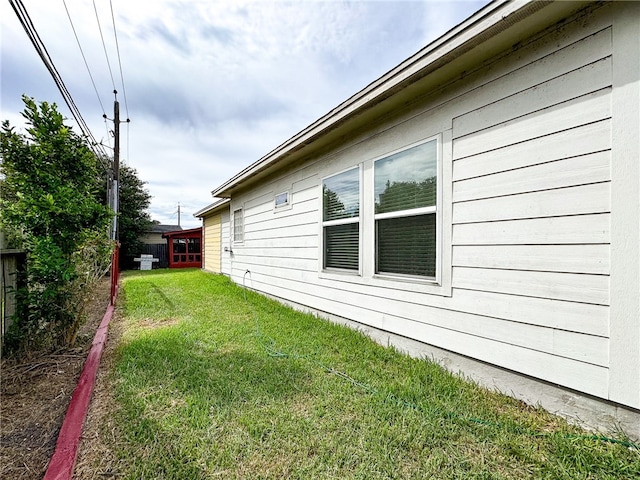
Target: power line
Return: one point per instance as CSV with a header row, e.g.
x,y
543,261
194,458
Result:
x,y
124,90
104,46
29,28
83,56
115,34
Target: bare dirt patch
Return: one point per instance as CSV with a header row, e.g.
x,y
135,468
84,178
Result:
x,y
35,394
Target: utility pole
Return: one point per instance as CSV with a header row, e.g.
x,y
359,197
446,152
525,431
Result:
x,y
178,213
116,165
114,193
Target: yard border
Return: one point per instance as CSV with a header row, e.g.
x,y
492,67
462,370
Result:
x,y
64,457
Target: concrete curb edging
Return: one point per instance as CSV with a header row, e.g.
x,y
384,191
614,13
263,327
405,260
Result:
x,y
64,457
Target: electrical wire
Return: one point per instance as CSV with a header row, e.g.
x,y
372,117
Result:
x,y
83,56
124,90
268,343
41,50
104,46
115,34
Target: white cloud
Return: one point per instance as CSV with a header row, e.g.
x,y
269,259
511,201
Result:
x,y
211,86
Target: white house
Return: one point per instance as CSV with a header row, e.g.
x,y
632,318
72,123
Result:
x,y
478,204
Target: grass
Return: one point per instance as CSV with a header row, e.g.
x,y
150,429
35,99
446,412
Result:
x,y
211,381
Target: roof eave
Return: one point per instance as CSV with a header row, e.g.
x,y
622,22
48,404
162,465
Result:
x,y
477,29
211,208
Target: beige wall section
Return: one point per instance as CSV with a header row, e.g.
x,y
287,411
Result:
x,y
212,243
153,239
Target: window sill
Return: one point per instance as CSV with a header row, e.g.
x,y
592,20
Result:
x,y
427,286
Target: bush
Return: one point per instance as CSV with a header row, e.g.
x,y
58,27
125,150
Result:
x,y
50,204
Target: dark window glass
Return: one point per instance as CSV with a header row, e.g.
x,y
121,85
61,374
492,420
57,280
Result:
x,y
341,195
407,245
179,245
194,245
342,246
407,180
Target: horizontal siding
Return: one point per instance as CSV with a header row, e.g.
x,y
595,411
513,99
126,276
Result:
x,y
592,259
578,200
566,115
530,216
574,287
544,312
212,243
449,332
556,91
563,145
574,230
225,231
580,170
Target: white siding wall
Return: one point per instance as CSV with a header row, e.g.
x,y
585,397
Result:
x,y
527,144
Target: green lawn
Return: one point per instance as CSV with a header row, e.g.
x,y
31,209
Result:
x,y
211,381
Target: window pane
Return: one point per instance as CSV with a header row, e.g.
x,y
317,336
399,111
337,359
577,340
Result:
x,y
407,245
341,195
194,245
238,228
341,245
179,245
282,199
407,179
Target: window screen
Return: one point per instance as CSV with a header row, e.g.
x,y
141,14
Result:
x,y
341,220
405,188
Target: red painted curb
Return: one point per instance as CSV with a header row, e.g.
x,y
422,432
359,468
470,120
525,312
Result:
x,y
64,457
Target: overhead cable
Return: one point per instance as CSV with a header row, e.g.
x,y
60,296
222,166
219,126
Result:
x,y
104,46
29,28
124,90
115,34
83,56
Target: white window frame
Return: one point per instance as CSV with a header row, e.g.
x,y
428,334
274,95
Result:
x,y
283,204
237,240
341,221
434,209
442,284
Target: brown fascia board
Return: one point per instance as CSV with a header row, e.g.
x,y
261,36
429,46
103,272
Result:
x,y
493,28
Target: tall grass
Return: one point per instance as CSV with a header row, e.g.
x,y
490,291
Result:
x,y
212,381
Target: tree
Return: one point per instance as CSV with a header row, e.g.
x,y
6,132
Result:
x,y
49,202
133,219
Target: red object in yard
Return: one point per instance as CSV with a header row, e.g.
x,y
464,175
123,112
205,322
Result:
x,y
64,457
184,248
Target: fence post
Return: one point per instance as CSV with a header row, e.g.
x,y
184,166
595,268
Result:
x,y
115,273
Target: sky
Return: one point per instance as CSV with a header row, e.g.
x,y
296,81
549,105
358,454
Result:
x,y
209,86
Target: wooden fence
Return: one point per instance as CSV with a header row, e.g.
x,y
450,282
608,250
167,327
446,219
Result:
x,y
159,251
11,261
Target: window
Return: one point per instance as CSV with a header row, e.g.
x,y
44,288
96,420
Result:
x,y
238,226
341,220
193,245
405,190
179,245
282,199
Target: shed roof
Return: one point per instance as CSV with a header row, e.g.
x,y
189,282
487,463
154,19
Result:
x,y
179,233
160,228
498,25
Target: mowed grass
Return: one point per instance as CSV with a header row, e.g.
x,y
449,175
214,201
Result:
x,y
213,381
